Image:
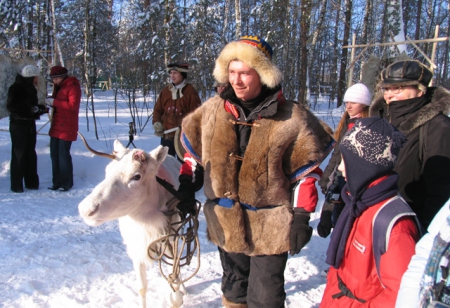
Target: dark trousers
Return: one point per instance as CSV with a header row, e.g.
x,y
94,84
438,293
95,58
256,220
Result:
x,y
257,281
170,144
62,168
23,155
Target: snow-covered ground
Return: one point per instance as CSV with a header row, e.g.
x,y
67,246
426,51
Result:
x,y
50,258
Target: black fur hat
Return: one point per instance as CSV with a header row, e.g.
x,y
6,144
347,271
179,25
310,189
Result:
x,y
407,73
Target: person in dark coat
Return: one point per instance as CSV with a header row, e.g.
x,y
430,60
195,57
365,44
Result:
x,y
421,113
24,110
65,101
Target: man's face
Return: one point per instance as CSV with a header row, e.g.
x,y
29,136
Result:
x,y
176,77
399,93
57,80
244,80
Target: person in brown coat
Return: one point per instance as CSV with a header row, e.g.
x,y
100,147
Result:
x,y
174,102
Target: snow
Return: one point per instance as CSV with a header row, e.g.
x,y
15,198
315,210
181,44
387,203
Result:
x,y
50,258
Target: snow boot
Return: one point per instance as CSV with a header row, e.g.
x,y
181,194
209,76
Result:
x,y
229,304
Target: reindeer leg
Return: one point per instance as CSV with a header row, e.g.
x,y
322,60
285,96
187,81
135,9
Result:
x,y
141,273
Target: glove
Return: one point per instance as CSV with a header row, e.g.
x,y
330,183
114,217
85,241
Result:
x,y
158,128
301,232
186,193
49,101
325,223
39,109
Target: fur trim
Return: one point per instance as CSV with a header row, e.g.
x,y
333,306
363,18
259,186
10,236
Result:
x,y
268,72
440,103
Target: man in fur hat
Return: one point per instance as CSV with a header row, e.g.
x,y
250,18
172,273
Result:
x,y
174,102
421,113
260,153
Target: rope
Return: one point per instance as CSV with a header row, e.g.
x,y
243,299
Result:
x,y
178,247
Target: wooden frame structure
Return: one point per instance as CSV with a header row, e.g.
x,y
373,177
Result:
x,y
353,47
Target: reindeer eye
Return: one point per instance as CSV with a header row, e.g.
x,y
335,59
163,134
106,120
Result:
x,y
137,177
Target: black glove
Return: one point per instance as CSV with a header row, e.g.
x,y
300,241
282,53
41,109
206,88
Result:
x,y
186,193
39,109
325,223
301,232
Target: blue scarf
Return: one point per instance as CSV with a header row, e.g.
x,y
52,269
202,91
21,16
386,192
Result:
x,y
354,207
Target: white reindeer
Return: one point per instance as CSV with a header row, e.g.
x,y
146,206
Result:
x,y
131,194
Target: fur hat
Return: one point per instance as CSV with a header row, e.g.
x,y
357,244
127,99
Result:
x,y
358,93
30,71
58,71
179,67
407,73
253,51
369,150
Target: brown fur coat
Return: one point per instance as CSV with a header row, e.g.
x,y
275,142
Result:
x,y
277,150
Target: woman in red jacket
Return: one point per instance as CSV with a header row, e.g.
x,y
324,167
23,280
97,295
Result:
x,y
361,276
66,104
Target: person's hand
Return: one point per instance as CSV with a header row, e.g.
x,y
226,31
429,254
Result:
x,y
39,109
49,102
158,128
187,203
325,225
326,219
301,232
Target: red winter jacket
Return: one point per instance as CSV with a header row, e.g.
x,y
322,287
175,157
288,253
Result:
x,y
66,105
358,271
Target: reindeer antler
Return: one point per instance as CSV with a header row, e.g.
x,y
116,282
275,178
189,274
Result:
x,y
111,156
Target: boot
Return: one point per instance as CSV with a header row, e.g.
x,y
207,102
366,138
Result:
x,y
229,304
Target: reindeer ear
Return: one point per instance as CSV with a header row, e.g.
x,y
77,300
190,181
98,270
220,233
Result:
x,y
118,146
159,154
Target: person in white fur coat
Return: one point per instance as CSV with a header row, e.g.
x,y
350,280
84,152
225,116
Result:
x,y
416,283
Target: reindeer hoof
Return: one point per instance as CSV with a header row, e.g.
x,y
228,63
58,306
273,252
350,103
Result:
x,y
176,299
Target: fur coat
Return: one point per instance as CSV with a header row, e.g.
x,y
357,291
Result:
x,y
424,179
255,214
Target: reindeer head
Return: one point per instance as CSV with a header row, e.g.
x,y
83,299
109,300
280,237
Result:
x,y
129,183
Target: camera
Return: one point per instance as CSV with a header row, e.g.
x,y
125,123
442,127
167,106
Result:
x,y
333,194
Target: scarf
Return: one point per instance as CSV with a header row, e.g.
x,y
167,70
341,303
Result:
x,y
354,208
439,257
176,90
401,111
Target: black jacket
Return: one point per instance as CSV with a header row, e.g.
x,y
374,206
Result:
x,y
424,179
22,98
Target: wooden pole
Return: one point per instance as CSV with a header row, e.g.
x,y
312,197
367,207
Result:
x,y
433,51
440,39
423,54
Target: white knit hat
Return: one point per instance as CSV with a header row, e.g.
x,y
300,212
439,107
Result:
x,y
30,71
358,93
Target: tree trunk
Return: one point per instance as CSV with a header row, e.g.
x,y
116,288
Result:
x,y
237,9
305,20
342,82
